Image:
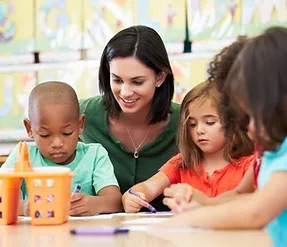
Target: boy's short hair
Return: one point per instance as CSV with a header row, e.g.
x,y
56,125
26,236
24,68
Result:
x,y
52,92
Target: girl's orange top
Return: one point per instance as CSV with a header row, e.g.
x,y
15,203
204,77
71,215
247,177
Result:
x,y
220,181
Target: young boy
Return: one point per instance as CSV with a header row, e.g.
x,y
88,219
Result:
x,y
54,124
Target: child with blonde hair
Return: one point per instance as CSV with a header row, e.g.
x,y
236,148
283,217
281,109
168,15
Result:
x,y
208,160
180,197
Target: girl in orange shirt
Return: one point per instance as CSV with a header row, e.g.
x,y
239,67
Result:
x,y
208,160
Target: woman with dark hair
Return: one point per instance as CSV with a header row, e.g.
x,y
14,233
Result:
x,y
134,119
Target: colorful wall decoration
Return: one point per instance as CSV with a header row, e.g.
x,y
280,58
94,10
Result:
x,y
58,25
13,103
28,26
16,27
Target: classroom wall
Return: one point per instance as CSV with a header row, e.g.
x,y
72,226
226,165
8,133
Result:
x,y
67,38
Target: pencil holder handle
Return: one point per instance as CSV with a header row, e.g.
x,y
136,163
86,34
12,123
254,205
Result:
x,y
23,163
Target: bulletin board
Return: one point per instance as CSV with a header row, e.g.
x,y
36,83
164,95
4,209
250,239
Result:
x,y
165,16
16,27
102,19
187,74
58,25
13,103
83,80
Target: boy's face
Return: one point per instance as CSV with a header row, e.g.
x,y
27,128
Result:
x,y
55,129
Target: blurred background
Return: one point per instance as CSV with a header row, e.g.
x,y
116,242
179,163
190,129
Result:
x,y
44,40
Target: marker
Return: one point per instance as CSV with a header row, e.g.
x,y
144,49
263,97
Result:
x,y
149,207
77,189
99,231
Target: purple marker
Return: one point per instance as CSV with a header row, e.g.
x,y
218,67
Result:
x,y
99,231
149,207
77,189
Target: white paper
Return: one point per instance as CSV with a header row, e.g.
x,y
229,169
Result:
x,y
147,221
145,214
98,216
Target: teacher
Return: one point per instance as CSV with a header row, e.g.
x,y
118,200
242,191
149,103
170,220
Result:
x,y
134,118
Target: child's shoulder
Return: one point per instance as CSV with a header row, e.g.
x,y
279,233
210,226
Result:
x,y
246,160
175,161
90,147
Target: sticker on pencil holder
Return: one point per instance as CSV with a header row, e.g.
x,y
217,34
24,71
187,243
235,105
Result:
x,y
51,214
37,183
37,199
50,198
38,214
50,183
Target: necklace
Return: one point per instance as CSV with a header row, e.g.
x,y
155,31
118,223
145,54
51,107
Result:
x,y
136,152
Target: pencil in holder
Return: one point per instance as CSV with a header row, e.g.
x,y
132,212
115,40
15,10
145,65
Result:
x,y
10,186
49,191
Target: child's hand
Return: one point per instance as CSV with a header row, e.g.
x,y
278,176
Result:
x,y
177,207
181,193
80,205
26,208
132,203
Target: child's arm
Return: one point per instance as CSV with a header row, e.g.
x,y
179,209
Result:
x,y
108,200
249,211
148,190
104,183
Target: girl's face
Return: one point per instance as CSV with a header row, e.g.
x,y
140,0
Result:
x,y
205,127
133,84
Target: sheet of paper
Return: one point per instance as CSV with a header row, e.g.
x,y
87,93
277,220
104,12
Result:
x,y
147,228
145,214
146,221
99,216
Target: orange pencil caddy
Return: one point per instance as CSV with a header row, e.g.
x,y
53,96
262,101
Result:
x,y
48,188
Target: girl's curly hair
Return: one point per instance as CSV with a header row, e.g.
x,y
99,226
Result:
x,y
218,70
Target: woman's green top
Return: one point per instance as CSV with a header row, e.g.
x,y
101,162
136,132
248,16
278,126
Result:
x,y
129,170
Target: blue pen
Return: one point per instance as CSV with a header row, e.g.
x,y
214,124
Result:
x,y
77,189
149,207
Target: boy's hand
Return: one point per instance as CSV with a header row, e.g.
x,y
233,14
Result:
x,y
26,208
80,205
132,203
